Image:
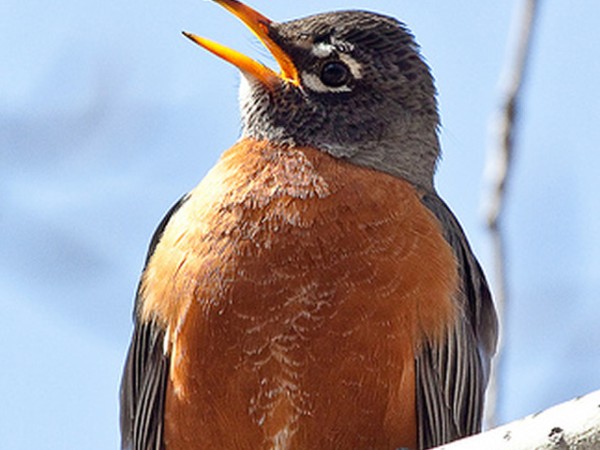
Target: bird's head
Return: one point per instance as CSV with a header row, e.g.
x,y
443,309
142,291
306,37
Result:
x,y
351,83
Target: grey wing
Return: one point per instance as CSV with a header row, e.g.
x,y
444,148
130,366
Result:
x,y
452,378
144,380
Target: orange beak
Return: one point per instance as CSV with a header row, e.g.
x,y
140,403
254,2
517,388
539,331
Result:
x,y
259,25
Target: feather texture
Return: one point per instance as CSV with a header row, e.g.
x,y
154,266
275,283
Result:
x,y
143,385
451,378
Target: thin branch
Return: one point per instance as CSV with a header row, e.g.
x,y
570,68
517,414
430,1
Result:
x,y
571,425
498,169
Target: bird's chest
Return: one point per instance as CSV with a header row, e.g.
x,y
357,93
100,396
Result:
x,y
295,295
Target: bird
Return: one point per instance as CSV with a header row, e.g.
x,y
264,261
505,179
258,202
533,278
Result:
x,y
314,291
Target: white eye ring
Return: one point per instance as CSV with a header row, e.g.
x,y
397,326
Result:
x,y
335,74
354,66
313,81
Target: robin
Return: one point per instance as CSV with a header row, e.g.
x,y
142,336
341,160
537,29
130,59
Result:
x,y
314,291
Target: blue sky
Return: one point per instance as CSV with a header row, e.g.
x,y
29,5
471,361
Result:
x,y
108,115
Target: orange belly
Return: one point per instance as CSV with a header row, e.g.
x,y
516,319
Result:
x,y
296,290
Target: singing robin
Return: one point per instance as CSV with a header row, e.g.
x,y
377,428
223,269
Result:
x,y
314,291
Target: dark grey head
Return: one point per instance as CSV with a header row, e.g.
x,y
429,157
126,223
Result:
x,y
353,84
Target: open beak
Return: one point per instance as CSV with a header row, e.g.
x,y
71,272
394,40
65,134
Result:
x,y
259,25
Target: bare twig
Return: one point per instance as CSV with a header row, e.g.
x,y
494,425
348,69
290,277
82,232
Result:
x,y
571,425
498,168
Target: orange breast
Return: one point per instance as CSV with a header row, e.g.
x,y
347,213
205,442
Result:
x,y
296,289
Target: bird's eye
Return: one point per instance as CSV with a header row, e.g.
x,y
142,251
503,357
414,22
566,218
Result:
x,y
335,74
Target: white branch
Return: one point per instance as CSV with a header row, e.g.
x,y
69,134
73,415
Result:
x,y
571,425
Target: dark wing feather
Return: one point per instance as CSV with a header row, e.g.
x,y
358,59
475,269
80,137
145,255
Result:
x,y
144,379
451,379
